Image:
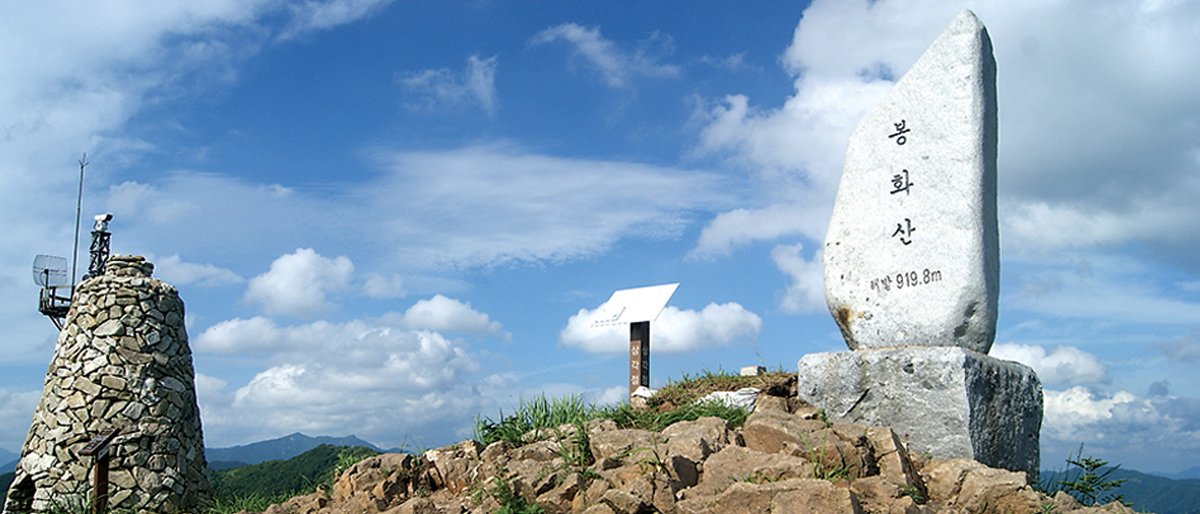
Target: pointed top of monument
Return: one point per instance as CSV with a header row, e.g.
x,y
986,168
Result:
x,y
912,256
964,41
964,21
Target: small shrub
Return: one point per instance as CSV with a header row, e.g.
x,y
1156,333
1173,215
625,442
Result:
x,y
914,493
1086,479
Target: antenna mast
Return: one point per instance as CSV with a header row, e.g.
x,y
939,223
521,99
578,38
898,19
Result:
x,y
78,208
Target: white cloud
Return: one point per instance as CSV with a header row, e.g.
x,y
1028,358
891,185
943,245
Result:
x,y
373,379
474,206
674,331
1069,414
806,293
1064,365
441,314
174,271
442,87
297,283
209,386
611,396
1113,165
16,410
618,68
314,15
380,287
1122,428
249,336
76,72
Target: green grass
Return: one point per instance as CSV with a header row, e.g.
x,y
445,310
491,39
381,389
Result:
x,y
253,502
674,403
537,414
648,419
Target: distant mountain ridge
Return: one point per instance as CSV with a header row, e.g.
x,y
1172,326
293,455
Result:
x,y
282,448
1149,493
1192,472
8,460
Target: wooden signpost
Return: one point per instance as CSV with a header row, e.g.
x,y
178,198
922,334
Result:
x,y
98,447
637,307
639,355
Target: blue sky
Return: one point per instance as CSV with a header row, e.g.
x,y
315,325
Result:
x,y
387,217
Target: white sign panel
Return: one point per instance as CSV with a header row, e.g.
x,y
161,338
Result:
x,y
634,305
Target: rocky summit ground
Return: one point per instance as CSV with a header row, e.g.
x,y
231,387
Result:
x,y
786,458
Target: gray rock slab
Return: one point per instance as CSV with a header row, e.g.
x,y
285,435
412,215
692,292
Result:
x,y
947,401
912,252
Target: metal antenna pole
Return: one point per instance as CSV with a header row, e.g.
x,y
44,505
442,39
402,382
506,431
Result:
x,y
78,208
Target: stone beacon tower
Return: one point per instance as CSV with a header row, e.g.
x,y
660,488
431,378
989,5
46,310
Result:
x,y
122,363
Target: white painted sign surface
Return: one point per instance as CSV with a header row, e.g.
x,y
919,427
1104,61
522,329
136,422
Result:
x,y
634,305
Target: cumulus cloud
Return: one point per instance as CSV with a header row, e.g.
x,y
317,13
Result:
x,y
442,87
374,378
249,336
618,68
297,283
1122,427
369,378
173,270
1064,365
675,330
441,314
806,293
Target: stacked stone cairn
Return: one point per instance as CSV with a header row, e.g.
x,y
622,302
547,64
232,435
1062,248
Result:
x,y
122,362
912,269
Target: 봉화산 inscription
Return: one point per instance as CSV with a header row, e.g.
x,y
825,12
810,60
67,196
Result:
x,y
911,257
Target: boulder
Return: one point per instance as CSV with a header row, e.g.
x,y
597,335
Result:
x,y
948,402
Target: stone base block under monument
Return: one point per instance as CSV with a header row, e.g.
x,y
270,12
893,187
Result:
x,y
948,402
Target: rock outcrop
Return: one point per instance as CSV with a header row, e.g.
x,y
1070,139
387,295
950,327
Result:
x,y
786,458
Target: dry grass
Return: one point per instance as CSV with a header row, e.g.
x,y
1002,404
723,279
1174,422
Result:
x,y
689,389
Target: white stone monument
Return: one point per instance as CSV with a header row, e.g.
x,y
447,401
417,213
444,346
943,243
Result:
x,y
912,268
912,255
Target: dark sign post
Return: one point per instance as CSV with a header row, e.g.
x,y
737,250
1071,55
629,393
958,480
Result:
x,y
637,307
639,355
98,447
